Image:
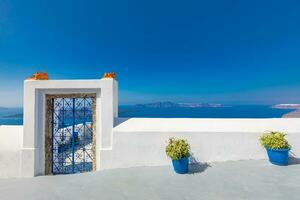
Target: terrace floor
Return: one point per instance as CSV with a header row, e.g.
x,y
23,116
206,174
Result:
x,y
227,180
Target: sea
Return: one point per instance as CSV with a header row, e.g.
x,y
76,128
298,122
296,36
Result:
x,y
13,116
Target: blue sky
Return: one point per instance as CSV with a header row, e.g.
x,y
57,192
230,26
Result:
x,y
234,52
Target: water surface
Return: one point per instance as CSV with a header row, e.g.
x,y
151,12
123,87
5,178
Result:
x,y
13,116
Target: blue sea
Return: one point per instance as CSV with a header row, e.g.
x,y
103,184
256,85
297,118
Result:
x,y
240,111
13,116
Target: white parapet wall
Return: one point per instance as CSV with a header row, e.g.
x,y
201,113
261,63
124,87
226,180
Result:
x,y
142,141
11,138
131,142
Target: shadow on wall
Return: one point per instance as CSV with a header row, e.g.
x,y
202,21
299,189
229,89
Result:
x,y
196,166
119,121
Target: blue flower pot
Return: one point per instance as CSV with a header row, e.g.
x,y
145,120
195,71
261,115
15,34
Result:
x,y
181,166
278,156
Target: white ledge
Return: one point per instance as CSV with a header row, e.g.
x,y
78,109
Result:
x,y
172,125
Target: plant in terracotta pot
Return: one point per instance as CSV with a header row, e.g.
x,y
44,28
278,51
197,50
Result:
x,y
277,147
179,151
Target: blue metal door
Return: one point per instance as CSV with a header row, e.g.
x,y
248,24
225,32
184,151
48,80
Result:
x,y
72,124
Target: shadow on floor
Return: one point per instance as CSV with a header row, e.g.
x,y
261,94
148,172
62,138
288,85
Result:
x,y
196,166
293,160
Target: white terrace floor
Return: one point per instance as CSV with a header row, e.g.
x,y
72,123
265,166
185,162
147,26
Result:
x,y
227,180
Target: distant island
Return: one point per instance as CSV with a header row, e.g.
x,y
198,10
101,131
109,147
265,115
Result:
x,y
169,104
287,106
295,107
15,116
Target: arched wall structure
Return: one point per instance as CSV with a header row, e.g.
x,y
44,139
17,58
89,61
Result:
x,y
33,146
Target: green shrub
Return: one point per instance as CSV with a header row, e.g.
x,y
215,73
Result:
x,y
274,140
177,149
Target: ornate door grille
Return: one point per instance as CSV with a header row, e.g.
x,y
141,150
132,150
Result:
x,y
72,133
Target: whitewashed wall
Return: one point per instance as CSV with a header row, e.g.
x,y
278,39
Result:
x,y
10,144
142,141
33,147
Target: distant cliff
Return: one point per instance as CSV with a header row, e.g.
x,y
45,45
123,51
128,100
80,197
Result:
x,y
293,114
287,106
168,104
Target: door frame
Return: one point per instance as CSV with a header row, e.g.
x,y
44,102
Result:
x,y
48,126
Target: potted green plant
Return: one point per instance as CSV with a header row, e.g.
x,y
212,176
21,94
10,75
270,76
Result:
x,y
179,151
277,147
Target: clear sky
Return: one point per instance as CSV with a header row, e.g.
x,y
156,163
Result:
x,y
186,51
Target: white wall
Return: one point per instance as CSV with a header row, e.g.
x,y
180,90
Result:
x,y
142,141
135,141
33,150
10,144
